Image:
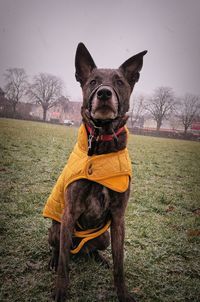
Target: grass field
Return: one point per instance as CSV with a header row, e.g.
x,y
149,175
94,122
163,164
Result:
x,y
162,250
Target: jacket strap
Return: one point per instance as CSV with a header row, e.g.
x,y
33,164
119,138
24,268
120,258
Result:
x,y
88,235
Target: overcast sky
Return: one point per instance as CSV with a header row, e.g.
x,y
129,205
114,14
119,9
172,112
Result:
x,y
42,36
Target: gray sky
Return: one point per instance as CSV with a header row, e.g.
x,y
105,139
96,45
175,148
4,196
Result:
x,y
42,36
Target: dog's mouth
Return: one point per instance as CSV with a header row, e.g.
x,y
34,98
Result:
x,y
104,103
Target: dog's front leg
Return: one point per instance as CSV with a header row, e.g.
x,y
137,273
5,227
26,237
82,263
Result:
x,y
117,239
62,283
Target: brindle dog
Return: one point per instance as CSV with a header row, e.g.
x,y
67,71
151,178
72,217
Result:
x,y
106,94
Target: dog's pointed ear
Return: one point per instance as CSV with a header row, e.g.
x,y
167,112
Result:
x,y
84,63
131,68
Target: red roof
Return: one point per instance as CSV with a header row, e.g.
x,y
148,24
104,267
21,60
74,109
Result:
x,y
55,114
195,126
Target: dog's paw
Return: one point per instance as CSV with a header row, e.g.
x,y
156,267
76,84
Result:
x,y
61,292
53,263
59,295
100,259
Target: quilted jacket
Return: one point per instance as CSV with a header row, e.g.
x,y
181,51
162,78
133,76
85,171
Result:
x,y
111,170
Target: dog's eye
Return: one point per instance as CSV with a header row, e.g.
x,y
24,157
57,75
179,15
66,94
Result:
x,y
93,82
120,82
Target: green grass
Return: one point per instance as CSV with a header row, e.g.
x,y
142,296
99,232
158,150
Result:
x,y
162,248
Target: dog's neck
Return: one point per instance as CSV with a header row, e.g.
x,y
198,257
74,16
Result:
x,y
107,136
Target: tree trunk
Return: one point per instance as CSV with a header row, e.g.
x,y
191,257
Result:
x,y
159,123
14,105
44,114
185,130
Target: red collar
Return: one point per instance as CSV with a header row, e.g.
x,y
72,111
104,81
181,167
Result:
x,y
104,137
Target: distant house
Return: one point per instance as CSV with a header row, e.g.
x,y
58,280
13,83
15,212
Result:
x,y
24,110
66,110
5,106
135,121
195,126
63,110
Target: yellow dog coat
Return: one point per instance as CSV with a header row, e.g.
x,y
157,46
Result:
x,y
111,170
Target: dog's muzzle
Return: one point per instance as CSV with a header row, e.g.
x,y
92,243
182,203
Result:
x,y
104,92
104,96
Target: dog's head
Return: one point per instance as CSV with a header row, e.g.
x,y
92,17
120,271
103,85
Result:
x,y
106,92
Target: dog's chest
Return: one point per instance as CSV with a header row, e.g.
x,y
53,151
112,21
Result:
x,y
97,207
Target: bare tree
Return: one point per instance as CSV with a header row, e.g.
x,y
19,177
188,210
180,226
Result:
x,y
45,90
137,111
188,110
15,86
161,104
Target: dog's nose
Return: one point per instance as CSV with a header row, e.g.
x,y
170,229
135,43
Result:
x,y
104,94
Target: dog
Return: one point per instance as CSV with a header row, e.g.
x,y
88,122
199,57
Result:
x,y
92,192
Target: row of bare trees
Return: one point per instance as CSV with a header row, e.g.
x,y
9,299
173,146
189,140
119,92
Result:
x,y
45,89
164,105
